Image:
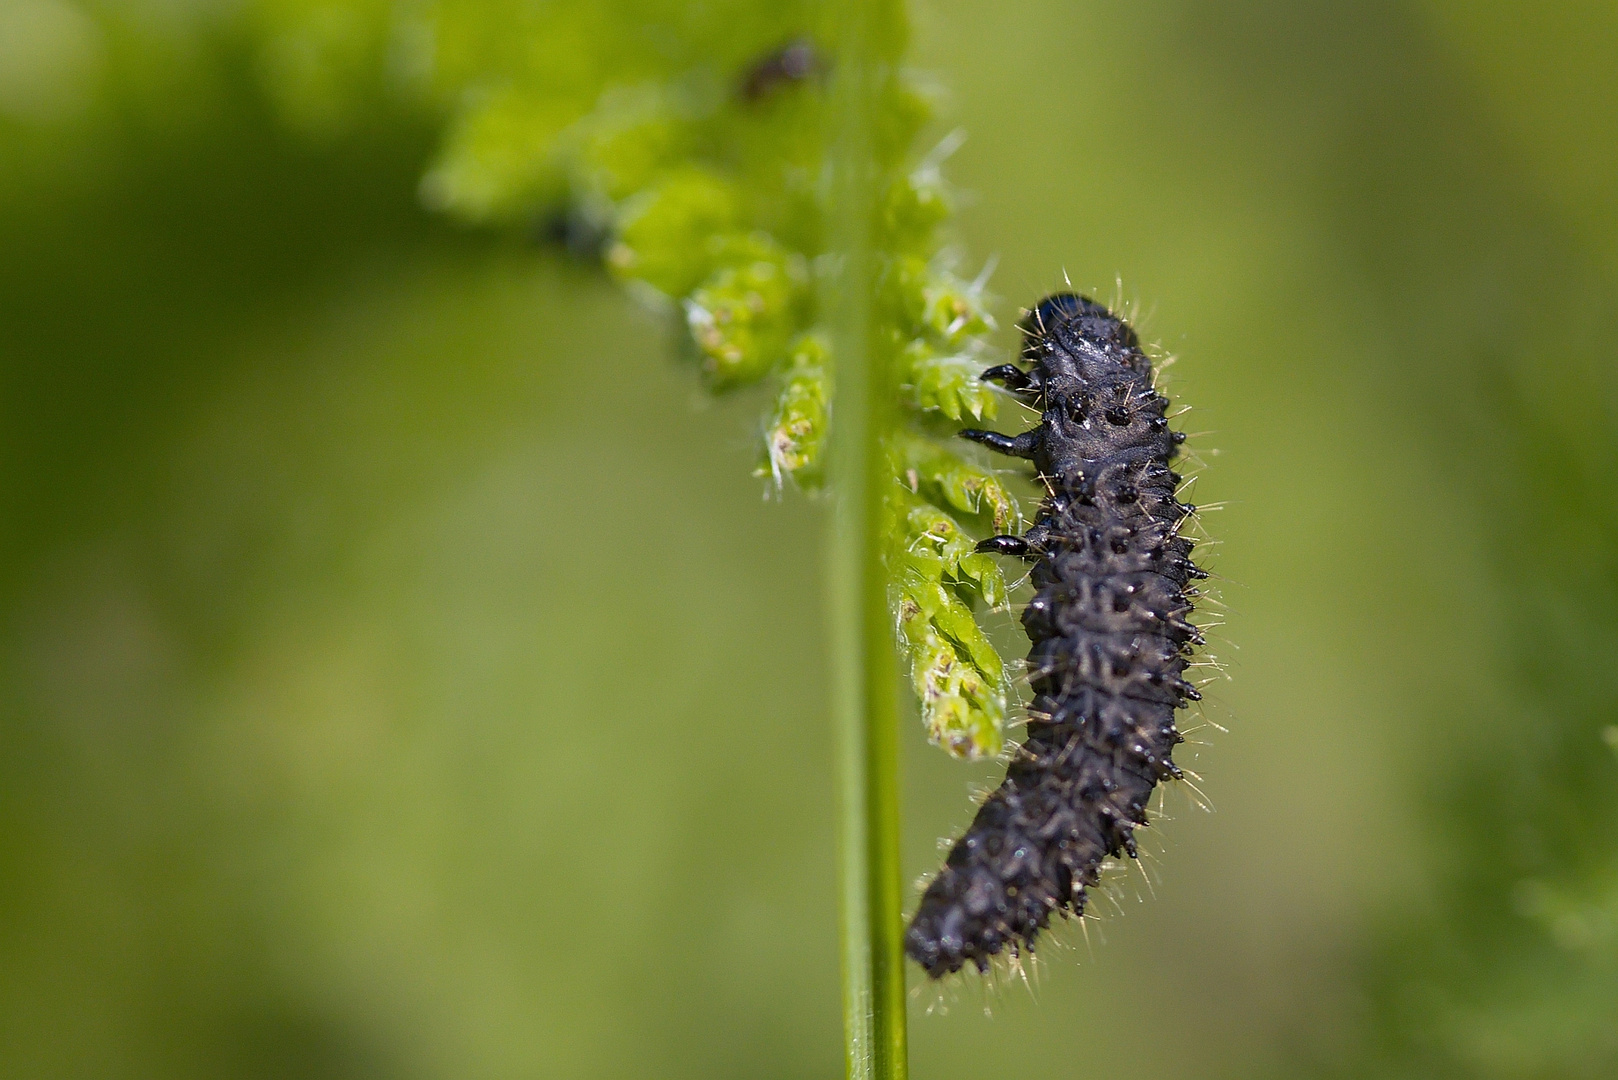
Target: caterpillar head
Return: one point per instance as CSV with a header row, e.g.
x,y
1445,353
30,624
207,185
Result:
x,y
1088,319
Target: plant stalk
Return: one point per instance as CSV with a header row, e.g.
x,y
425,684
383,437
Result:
x,y
864,667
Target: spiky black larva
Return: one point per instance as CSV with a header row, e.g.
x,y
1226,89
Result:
x,y
1111,638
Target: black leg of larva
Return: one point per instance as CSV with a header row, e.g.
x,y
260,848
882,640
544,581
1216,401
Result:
x,y
1022,446
1010,376
1004,545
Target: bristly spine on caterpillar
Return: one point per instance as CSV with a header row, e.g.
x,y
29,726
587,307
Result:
x,y
1111,632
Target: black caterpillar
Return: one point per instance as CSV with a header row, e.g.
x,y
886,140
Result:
x,y
1110,641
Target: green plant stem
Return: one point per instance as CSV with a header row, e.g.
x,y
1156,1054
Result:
x,y
864,669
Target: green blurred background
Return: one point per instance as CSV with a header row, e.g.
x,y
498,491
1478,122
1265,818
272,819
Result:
x,y
400,675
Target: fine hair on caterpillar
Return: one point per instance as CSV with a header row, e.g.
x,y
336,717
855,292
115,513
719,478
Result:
x,y
1075,939
1111,640
1074,936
